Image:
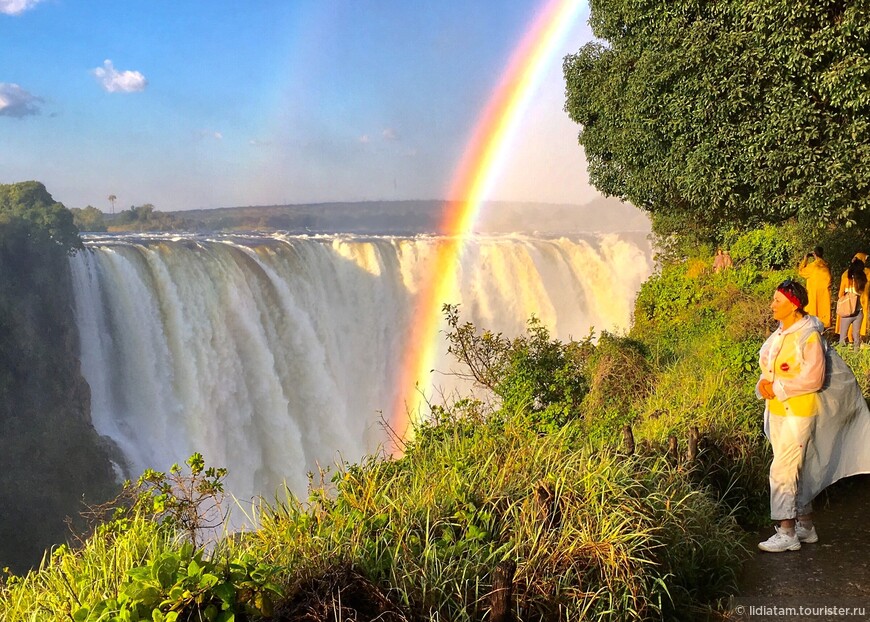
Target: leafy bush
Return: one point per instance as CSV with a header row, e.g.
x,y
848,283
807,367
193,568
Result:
x,y
48,222
188,504
88,219
534,376
766,248
666,295
182,585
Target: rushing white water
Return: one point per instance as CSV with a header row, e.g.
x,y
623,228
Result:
x,y
273,355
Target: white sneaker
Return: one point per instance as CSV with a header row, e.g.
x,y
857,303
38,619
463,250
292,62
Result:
x,y
806,535
780,541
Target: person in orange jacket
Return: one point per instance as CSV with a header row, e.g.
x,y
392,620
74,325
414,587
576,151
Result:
x,y
865,295
818,276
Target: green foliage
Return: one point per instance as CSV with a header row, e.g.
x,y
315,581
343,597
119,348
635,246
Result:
x,y
544,379
593,535
134,567
671,310
621,375
39,216
146,218
688,295
47,443
533,375
464,417
183,585
70,579
733,113
88,219
675,238
185,503
765,248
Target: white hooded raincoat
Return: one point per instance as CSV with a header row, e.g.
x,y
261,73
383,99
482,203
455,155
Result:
x,y
819,422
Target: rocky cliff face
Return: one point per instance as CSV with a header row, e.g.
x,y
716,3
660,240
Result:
x,y
51,459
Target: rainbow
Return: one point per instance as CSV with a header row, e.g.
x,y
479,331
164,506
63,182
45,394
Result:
x,y
471,185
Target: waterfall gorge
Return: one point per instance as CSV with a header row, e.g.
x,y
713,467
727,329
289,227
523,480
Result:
x,y
272,355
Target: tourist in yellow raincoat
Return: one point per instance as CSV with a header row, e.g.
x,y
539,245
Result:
x,y
865,296
818,276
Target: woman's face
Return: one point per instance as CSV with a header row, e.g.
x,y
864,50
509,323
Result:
x,y
781,306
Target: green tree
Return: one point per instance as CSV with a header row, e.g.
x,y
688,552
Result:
x,y
28,202
88,218
147,218
710,114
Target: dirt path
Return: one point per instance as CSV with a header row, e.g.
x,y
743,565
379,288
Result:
x,y
834,572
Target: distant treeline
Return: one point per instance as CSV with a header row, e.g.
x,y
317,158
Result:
x,y
138,218
390,217
372,217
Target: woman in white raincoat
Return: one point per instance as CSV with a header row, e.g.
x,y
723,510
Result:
x,y
815,417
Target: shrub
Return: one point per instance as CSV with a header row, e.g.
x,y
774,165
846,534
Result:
x,y
541,379
766,248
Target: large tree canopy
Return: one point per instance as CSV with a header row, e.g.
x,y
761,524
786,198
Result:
x,y
29,204
718,113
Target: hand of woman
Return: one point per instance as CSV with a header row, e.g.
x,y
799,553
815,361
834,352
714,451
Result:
x,y
765,388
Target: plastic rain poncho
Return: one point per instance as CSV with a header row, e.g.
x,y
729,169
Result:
x,y
839,445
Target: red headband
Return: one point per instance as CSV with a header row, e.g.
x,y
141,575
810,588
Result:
x,y
791,297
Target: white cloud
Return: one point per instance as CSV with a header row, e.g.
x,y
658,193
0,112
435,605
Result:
x,y
206,134
390,134
14,7
364,138
16,102
115,81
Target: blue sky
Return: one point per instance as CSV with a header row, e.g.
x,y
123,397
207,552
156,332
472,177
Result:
x,y
198,104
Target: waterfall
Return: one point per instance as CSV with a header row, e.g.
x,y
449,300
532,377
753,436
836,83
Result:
x,y
273,355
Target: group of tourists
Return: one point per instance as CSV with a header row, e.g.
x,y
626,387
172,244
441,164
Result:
x,y
815,415
853,295
722,260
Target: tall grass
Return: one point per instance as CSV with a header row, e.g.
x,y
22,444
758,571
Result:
x,y
68,579
593,535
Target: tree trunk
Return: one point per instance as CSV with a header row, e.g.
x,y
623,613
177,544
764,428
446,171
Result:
x,y
502,591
